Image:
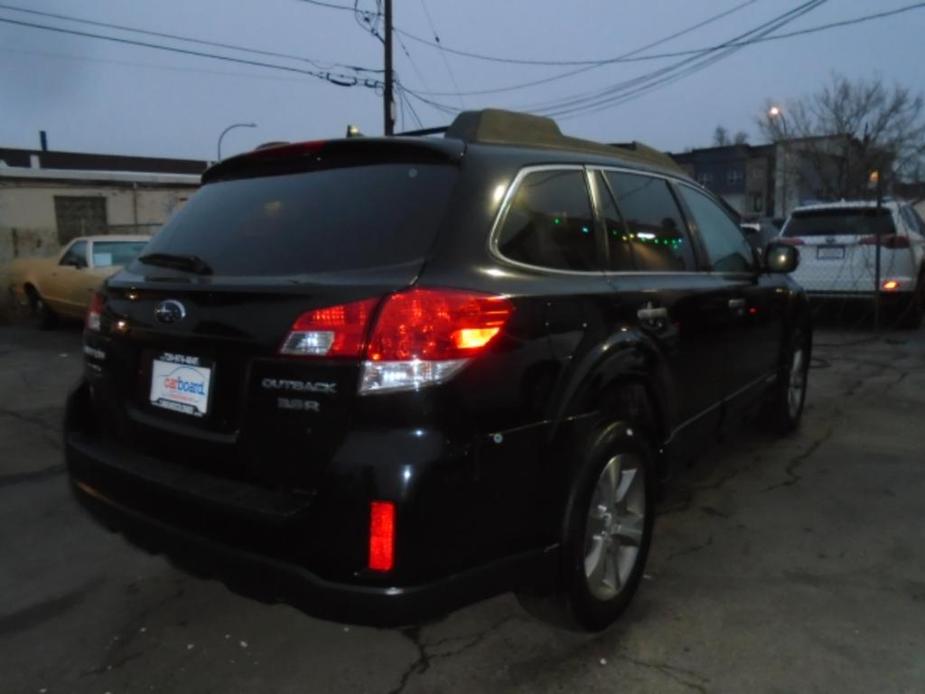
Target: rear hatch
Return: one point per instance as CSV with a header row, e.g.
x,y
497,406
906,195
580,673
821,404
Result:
x,y
194,373
838,247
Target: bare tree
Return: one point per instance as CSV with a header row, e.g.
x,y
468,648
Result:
x,y
720,136
740,138
835,137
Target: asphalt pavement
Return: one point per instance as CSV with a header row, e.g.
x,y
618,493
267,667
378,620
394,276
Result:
x,y
778,565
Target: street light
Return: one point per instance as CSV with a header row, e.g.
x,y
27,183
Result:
x,y
225,131
775,112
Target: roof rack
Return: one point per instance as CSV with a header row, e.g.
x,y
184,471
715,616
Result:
x,y
496,126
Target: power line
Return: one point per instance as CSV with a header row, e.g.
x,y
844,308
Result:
x,y
609,96
598,99
698,51
150,66
370,19
784,35
329,5
446,61
321,65
339,79
407,103
617,59
560,63
412,62
620,58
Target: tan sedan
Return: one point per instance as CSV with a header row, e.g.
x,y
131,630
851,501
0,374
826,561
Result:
x,y
63,286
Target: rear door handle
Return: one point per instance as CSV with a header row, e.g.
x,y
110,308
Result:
x,y
736,303
652,313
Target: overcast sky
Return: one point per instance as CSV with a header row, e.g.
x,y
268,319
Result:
x,y
96,96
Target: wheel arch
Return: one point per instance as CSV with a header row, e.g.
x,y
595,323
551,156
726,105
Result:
x,y
622,384
596,385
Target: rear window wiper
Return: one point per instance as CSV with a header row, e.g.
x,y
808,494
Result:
x,y
189,263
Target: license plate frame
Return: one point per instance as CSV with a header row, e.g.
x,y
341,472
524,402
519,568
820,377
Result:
x,y
830,252
182,384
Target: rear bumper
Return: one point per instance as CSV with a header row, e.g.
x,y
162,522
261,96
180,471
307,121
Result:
x,y
270,580
280,546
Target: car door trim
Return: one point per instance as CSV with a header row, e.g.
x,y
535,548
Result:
x,y
763,379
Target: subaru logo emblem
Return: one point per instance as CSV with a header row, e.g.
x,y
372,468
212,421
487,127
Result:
x,y
169,311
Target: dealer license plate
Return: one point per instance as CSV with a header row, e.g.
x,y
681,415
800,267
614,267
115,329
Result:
x,y
181,383
830,252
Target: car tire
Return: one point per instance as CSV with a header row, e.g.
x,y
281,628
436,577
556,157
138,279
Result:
x,y
42,315
789,393
606,534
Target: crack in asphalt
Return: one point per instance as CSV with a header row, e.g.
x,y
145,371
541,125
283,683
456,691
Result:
x,y
715,512
687,678
690,550
116,657
796,461
34,476
36,421
50,433
425,650
41,612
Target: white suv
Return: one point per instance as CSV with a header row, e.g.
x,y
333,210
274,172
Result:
x,y
838,249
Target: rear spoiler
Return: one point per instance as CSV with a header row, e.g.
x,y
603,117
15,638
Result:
x,y
321,154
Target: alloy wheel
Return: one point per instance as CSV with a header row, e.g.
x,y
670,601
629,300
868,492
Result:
x,y
615,526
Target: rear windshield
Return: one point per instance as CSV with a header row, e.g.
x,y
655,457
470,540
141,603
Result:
x,y
321,221
860,222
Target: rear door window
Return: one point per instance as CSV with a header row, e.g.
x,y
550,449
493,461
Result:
x,y
653,223
348,218
550,223
862,221
723,241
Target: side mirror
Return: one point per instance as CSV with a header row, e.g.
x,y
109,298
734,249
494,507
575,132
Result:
x,y
779,258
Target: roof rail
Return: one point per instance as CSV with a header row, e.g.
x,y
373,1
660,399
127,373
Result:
x,y
496,126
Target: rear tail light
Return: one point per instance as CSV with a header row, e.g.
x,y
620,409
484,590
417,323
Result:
x,y
789,241
420,337
334,331
886,240
425,336
381,536
95,312
890,285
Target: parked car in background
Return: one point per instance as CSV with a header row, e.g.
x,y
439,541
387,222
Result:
x,y
383,377
63,286
838,243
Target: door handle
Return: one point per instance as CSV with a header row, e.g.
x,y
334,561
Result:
x,y
737,304
652,313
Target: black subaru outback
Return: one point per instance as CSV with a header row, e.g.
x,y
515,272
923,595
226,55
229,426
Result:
x,y
379,378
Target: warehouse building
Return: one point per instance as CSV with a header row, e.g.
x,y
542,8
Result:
x,y
47,197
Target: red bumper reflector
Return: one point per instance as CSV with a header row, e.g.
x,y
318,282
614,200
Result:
x,y
381,535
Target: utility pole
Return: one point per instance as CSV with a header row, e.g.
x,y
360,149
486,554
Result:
x,y
387,91
876,177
